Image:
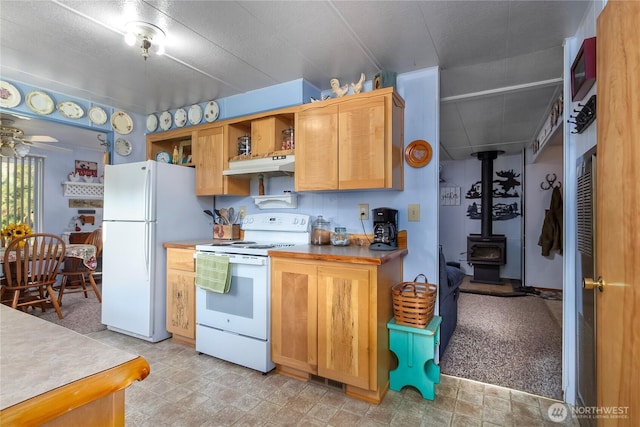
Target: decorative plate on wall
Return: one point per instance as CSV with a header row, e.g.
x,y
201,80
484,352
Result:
x,y
9,95
180,117
152,122
123,147
195,114
122,123
70,109
97,115
211,111
165,120
418,153
40,102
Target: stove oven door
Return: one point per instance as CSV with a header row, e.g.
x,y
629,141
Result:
x,y
244,309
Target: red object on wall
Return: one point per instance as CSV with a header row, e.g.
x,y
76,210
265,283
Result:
x,y
583,70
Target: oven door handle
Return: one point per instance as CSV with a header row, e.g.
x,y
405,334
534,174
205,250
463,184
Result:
x,y
242,259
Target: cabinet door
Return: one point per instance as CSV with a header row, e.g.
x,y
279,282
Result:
x,y
181,301
294,314
209,156
362,144
345,350
207,146
317,149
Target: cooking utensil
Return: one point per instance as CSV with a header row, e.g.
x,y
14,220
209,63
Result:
x,y
208,212
232,219
223,215
219,218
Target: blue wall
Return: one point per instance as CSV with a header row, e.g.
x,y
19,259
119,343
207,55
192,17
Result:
x,y
420,91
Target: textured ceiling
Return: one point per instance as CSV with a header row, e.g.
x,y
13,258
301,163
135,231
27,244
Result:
x,y
512,49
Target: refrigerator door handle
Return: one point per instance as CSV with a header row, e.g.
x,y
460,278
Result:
x,y
147,194
147,250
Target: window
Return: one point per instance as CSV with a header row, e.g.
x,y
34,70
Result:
x,y
21,191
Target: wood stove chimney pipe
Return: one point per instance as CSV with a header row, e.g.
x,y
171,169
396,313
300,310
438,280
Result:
x,y
486,218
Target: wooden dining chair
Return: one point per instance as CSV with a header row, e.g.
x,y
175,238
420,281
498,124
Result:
x,y
75,274
31,264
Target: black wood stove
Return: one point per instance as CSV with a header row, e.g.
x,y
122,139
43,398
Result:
x,y
487,251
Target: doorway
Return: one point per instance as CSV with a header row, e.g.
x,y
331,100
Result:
x,y
514,340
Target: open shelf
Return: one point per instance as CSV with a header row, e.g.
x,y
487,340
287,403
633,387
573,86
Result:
x,y
86,190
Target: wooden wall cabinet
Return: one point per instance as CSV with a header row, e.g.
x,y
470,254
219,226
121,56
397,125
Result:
x,y
329,319
349,143
181,295
166,141
211,154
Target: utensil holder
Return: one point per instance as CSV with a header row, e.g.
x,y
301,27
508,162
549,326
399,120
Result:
x,y
226,232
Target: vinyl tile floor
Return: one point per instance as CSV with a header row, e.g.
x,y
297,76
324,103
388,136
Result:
x,y
188,389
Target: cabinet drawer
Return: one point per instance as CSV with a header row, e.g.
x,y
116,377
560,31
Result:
x,y
181,259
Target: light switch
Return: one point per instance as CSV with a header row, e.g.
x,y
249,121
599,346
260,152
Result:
x,y
414,212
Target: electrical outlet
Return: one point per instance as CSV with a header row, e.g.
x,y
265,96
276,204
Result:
x,y
242,212
414,212
363,211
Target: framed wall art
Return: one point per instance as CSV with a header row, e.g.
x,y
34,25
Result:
x,y
86,168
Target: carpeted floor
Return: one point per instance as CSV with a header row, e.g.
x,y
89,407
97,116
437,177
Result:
x,y
80,314
510,342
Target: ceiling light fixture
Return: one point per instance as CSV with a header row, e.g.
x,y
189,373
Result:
x,y
147,34
12,141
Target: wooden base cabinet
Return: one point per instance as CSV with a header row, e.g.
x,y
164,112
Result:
x,y
350,143
329,319
181,295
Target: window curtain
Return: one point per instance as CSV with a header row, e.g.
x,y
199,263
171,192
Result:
x,y
21,191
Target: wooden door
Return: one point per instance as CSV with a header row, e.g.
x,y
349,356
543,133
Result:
x,y
345,350
362,142
317,149
618,211
293,314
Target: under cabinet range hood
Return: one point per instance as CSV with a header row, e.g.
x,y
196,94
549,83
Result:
x,y
274,165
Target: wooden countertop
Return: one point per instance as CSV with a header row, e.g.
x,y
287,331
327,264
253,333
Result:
x,y
352,254
47,370
187,244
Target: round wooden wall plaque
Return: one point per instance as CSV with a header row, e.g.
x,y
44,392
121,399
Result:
x,y
418,153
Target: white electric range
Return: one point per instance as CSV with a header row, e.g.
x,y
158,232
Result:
x,y
236,326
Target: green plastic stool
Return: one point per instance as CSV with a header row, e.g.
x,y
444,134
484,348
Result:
x,y
415,349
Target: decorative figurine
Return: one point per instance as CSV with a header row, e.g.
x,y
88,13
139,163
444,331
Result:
x,y
322,98
357,87
339,91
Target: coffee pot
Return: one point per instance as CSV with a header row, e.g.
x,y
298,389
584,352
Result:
x,y
385,229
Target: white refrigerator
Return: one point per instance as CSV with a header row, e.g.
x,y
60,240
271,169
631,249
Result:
x,y
145,204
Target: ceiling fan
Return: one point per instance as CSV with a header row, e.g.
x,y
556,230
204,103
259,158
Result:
x,y
13,142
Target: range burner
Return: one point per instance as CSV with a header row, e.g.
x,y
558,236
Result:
x,y
263,232
259,246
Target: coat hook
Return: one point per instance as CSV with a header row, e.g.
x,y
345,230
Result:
x,y
551,182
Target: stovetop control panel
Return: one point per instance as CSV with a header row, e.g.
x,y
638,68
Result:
x,y
276,222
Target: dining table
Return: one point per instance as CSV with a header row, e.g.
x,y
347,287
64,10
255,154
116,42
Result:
x,y
84,252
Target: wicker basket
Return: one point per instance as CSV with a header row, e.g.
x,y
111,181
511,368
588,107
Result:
x,y
414,302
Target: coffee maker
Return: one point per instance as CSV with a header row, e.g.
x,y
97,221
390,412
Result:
x,y
385,229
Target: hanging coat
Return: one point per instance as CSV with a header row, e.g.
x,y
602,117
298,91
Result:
x,y
551,235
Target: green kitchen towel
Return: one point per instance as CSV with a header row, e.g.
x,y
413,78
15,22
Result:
x,y
213,272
